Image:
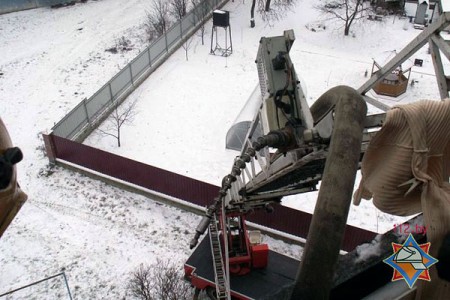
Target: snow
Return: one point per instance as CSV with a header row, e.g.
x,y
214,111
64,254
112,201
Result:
x,y
51,59
367,250
445,5
187,107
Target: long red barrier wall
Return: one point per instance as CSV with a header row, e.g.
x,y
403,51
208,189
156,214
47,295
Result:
x,y
284,219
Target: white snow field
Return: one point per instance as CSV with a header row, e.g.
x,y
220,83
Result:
x,y
51,59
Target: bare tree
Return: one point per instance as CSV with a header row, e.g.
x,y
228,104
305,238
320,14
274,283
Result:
x,y
157,18
252,14
267,7
200,12
161,280
271,10
140,284
120,115
186,46
346,11
178,8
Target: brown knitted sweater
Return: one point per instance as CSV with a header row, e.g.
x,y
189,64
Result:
x,y
406,171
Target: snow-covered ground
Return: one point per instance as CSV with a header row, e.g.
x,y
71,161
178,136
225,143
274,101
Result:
x,y
51,59
187,106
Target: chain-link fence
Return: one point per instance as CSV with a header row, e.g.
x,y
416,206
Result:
x,y
80,121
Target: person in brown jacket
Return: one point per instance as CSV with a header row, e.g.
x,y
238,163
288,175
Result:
x,y
11,196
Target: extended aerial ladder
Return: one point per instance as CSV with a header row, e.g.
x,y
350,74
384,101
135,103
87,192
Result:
x,y
288,159
291,155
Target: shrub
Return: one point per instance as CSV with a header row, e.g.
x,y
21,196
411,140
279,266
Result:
x,y
162,280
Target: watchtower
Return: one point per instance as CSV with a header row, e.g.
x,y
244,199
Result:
x,y
221,18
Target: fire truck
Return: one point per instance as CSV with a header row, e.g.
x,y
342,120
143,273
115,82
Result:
x,y
287,158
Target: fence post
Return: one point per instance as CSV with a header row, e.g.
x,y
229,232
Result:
x,y
149,57
50,148
110,91
181,29
195,14
165,38
86,111
131,74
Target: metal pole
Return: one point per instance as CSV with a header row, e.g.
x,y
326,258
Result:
x,y
86,111
149,57
318,264
67,285
231,41
110,91
131,74
31,284
165,39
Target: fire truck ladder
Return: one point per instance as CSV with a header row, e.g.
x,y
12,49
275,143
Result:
x,y
222,286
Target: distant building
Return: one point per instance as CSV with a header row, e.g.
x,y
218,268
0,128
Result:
x,y
388,6
421,11
443,6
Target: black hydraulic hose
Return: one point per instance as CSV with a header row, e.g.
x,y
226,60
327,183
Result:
x,y
274,139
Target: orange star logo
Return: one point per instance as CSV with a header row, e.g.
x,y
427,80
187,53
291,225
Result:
x,y
411,261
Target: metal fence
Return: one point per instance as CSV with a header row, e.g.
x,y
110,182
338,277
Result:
x,y
284,219
7,6
81,120
84,117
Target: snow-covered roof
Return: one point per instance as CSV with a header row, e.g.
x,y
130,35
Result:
x,y
384,57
